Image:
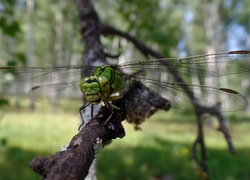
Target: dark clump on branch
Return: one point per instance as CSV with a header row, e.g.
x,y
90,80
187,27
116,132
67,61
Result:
x,y
141,103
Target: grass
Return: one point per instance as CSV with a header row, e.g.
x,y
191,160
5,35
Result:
x,y
162,148
25,135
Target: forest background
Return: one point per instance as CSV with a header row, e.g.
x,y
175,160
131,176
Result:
x,y
46,33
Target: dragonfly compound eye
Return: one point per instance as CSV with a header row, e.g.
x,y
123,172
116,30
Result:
x,y
104,84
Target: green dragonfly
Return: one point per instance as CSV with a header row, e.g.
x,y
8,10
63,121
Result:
x,y
110,79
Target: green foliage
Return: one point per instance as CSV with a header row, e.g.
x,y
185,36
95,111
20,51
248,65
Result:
x,y
145,161
9,28
16,159
163,148
156,23
8,24
3,102
50,28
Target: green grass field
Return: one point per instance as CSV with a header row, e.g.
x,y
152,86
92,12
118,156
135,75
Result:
x,y
161,148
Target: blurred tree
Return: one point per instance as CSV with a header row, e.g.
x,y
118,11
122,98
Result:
x,y
38,33
9,32
171,27
157,23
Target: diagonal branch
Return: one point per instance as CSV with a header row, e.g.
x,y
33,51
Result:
x,y
108,30
74,162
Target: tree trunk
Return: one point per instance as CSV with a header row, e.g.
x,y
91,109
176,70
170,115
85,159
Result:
x,y
214,38
30,45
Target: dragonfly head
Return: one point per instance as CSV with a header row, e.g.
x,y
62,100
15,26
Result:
x,y
95,88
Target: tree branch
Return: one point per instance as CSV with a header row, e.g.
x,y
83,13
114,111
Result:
x,y
108,30
75,160
93,49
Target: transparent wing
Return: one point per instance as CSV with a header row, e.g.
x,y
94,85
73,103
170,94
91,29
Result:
x,y
65,79
47,74
227,99
49,82
150,73
210,65
218,64
61,93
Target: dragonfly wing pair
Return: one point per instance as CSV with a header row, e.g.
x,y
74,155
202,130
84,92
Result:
x,y
66,79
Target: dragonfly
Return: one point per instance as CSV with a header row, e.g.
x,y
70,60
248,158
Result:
x,y
106,80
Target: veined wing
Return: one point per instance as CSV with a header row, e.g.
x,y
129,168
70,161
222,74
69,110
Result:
x,y
218,64
226,100
49,82
62,78
209,65
47,74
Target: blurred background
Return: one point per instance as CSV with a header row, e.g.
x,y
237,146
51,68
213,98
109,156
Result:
x,y
46,33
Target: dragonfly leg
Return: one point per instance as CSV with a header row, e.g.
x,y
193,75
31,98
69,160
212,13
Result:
x,y
122,109
108,105
111,108
80,111
92,108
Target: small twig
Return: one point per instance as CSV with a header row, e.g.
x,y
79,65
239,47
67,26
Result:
x,y
108,30
223,128
200,141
